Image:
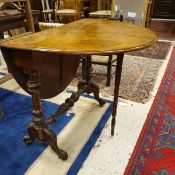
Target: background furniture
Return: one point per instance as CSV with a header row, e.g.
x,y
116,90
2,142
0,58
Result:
x,y
36,5
45,26
90,6
12,19
100,14
161,16
104,4
107,60
48,10
68,10
164,9
7,21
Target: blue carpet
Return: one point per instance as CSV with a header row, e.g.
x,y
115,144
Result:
x,y
15,155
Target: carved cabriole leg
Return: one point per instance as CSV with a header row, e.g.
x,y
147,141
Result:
x,y
116,90
87,84
38,129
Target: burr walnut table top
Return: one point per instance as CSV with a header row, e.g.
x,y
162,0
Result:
x,y
87,36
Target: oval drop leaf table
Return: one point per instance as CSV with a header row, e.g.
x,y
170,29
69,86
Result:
x,y
44,63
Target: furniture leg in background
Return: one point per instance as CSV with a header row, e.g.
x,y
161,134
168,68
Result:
x,y
106,61
109,71
87,84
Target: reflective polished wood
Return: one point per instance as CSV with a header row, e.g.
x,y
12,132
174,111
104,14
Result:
x,y
44,63
87,36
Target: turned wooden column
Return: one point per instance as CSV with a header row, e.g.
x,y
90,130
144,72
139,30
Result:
x,y
38,129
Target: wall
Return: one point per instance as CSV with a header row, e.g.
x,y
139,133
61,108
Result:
x,y
132,5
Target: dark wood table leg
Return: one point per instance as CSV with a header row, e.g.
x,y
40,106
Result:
x,y
38,129
87,84
116,90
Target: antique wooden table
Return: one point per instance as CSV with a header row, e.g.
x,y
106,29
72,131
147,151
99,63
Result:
x,y
44,63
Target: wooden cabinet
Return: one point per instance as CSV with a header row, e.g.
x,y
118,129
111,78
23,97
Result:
x,y
161,17
164,9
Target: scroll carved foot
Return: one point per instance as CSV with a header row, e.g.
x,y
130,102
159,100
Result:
x,y
51,138
91,87
96,90
28,139
45,135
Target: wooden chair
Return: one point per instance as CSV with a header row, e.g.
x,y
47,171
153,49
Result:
x,y
26,8
45,26
70,9
107,61
48,10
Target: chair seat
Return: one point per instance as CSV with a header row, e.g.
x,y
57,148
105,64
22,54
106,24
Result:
x,y
66,12
102,59
47,11
100,13
44,26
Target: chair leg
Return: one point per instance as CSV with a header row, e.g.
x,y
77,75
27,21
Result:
x,y
109,71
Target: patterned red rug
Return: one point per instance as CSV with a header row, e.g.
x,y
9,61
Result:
x,y
154,153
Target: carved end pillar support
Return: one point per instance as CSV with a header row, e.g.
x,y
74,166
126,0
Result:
x,y
33,85
38,129
116,90
87,84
